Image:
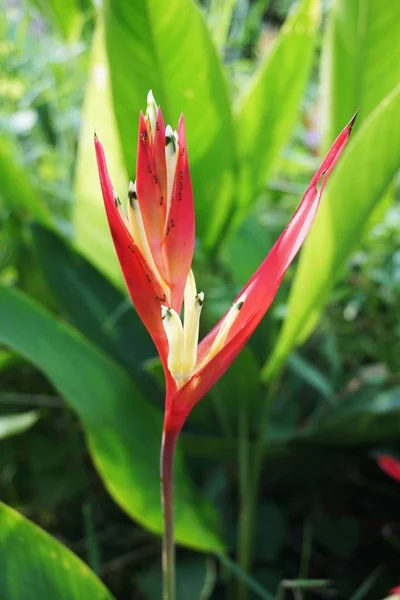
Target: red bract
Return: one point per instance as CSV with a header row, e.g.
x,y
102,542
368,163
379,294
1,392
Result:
x,y
390,465
154,241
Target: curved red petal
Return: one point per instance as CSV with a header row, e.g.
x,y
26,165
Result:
x,y
178,244
390,465
263,285
145,290
151,199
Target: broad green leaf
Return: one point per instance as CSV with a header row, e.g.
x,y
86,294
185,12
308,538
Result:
x,y
14,424
270,107
99,310
360,60
35,566
171,52
92,235
17,190
354,189
123,430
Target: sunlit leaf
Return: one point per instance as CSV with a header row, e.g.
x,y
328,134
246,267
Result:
x,y
357,184
123,430
36,566
17,190
270,107
64,14
360,60
92,235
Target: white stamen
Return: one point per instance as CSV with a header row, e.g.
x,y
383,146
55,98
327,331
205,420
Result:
x,y
171,157
137,230
225,328
174,332
151,113
120,208
193,303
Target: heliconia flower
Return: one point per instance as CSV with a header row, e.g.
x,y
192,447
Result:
x,y
390,465
154,240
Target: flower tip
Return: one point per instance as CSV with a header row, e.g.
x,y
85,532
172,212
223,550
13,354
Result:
x,y
132,191
353,120
150,98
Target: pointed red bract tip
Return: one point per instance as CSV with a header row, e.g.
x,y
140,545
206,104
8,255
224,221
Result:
x,y
353,120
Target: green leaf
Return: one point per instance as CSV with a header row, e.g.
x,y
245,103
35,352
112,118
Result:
x,y
309,373
219,20
359,64
14,424
99,310
64,14
354,189
92,235
123,430
171,52
269,110
17,190
36,566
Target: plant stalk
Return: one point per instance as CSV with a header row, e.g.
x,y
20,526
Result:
x,y
168,446
248,509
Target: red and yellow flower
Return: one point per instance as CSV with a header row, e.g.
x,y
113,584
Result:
x,y
154,239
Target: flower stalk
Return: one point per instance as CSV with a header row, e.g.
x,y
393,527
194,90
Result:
x,y
168,446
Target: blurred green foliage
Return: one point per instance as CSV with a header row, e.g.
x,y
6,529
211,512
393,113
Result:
x,y
264,85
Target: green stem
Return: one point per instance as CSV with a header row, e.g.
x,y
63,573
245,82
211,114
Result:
x,y
248,510
168,446
246,504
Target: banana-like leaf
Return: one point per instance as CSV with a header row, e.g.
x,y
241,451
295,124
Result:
x,y
360,63
94,306
354,189
171,52
123,430
92,235
269,110
36,566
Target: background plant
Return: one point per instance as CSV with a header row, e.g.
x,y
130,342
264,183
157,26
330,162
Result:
x,y
263,91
